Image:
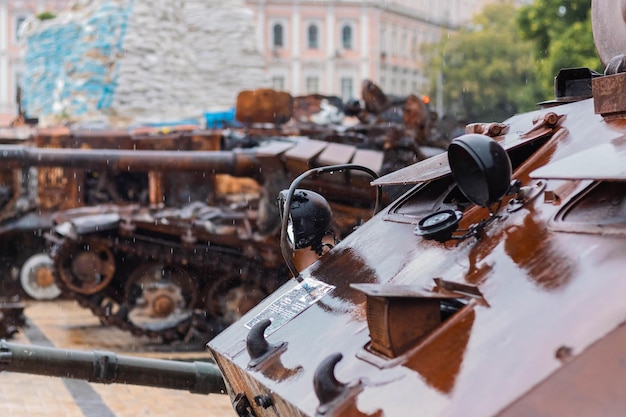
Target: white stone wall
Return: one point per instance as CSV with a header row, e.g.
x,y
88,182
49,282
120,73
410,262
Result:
x,y
170,60
185,57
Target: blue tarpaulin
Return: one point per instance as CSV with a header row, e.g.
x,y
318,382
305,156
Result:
x,y
70,67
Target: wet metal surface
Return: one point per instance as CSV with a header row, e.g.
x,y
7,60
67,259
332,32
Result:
x,y
546,297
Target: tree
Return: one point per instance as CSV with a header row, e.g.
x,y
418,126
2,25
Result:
x,y
487,69
562,37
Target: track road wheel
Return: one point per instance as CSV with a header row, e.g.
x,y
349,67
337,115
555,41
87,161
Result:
x,y
230,299
85,267
37,279
160,297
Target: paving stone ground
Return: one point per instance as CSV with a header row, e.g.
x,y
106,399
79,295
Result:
x,y
66,325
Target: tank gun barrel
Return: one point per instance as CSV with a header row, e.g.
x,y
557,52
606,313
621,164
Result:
x,y
218,162
107,368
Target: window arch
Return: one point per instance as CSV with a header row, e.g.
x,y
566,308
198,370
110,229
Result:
x,y
277,35
19,20
313,37
346,37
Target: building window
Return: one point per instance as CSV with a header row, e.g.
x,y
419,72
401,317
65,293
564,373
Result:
x,y
312,85
383,41
346,88
18,24
414,47
346,37
278,82
403,47
313,37
277,32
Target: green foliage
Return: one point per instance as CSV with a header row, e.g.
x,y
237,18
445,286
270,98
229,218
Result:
x,y
488,70
544,20
562,37
46,15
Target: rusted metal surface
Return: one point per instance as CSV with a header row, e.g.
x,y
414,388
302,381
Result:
x,y
609,92
535,326
264,106
376,101
540,285
183,273
538,311
387,309
220,162
605,162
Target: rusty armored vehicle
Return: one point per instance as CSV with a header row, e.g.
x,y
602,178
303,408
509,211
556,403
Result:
x,y
31,193
493,287
481,291
189,270
88,189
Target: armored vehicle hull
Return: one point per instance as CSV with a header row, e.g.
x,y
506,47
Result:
x,y
527,292
492,288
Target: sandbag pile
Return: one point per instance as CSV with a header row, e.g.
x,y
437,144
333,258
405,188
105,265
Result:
x,y
133,61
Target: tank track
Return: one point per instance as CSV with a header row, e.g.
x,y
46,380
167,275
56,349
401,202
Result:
x,y
218,269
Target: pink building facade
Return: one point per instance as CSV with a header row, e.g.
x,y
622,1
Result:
x,y
331,46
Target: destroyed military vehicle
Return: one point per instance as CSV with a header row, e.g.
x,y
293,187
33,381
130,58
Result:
x,y
499,272
29,194
191,266
493,287
185,272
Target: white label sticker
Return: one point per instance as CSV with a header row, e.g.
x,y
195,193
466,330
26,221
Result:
x,y
290,304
